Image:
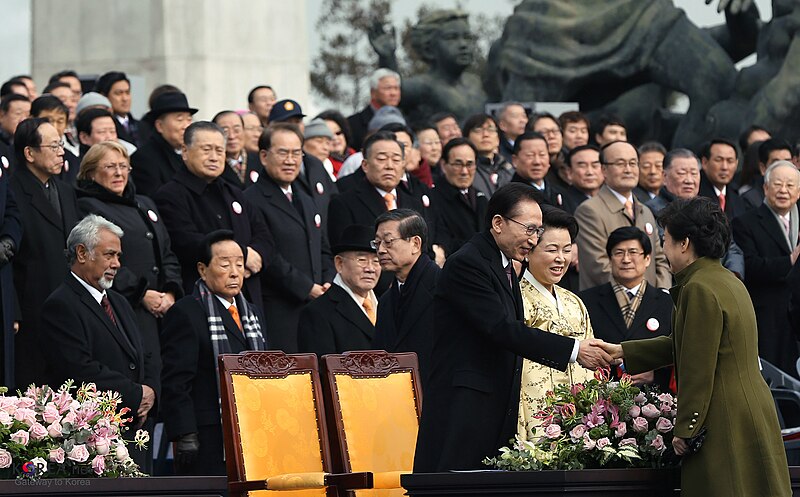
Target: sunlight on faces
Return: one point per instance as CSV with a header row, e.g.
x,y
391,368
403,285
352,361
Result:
x,y
430,146
224,274
56,118
232,125
120,97
384,166
783,188
206,157
402,252
651,171
621,171
533,160
485,137
576,134
112,172
720,165
513,121
682,178
459,169
18,111
338,143
171,127
282,161
628,263
99,267
550,258
263,100
387,92
359,270
611,133
47,159
550,129
510,236
585,171
103,129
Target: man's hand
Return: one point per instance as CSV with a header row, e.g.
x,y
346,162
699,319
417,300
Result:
x,y
254,261
148,400
167,301
152,302
186,449
643,378
440,257
591,355
613,349
317,291
680,446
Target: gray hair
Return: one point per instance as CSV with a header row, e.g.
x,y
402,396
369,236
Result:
x,y
87,233
776,165
501,112
379,74
680,153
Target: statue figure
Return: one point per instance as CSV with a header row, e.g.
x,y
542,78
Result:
x,y
443,40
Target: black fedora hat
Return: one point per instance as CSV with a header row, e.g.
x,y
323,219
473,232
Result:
x,y
168,102
355,237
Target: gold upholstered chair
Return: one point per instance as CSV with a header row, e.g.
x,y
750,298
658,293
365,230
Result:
x,y
274,425
374,400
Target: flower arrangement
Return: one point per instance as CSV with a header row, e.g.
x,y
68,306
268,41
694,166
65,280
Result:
x,y
597,424
48,433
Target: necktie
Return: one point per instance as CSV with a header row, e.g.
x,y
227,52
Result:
x,y
509,273
721,201
367,305
629,209
785,225
235,315
289,196
107,307
389,200
631,295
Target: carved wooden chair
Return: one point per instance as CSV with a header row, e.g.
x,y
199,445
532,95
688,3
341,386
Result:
x,y
274,427
374,401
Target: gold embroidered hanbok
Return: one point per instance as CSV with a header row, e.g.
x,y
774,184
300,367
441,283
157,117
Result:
x,y
564,314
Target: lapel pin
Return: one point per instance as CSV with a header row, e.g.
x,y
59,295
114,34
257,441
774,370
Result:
x,y
648,228
318,220
653,324
426,201
253,176
320,188
237,207
152,215
5,162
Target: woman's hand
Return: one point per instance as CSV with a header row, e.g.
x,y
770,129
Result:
x,y
680,446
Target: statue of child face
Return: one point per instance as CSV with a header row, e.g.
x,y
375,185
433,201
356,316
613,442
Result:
x,y
454,45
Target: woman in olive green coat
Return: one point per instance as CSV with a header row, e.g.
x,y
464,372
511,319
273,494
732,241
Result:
x,y
715,351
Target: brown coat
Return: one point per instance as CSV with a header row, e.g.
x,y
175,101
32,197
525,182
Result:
x,y
715,351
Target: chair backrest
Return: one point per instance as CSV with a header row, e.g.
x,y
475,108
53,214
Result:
x,y
777,378
374,400
273,417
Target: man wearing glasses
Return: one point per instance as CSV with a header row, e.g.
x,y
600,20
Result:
x,y
615,206
49,210
479,340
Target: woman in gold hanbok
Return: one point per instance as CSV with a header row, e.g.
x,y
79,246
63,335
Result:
x,y
553,309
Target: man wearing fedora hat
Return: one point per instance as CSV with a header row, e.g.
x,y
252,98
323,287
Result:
x,y
157,161
343,318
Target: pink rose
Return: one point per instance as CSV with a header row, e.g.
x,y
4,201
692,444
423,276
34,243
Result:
x,y
663,425
37,431
640,425
666,407
21,437
27,416
552,431
603,442
621,430
665,397
99,465
54,430
635,411
121,454
650,411
6,419
588,443
50,414
102,446
577,432
25,403
78,453
57,455
68,418
628,441
640,398
658,443
5,458
8,404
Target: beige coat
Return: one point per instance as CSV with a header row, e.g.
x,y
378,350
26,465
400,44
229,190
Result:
x,y
715,351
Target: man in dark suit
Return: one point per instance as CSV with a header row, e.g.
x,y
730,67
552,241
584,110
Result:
x,y
49,210
769,151
628,307
242,169
480,339
159,157
196,202
405,313
344,317
384,89
531,159
115,86
585,172
213,319
512,118
301,268
91,332
10,239
461,209
719,160
768,237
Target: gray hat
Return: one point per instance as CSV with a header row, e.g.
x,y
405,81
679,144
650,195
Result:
x,y
385,115
92,99
317,128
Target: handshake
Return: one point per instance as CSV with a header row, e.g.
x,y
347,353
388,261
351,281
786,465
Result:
x,y
595,353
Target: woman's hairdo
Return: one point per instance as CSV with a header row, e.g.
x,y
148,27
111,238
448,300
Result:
x,y
701,221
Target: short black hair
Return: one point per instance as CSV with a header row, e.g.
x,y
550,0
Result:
x,y
652,146
745,135
265,140
48,102
441,116
505,201
67,73
8,87
541,115
83,124
580,148
608,120
221,113
379,136
555,218
626,233
188,135
55,84
604,147
106,81
476,121
252,94
706,152
399,128
204,250
411,223
5,102
701,221
771,145
528,135
572,116
27,135
338,118
457,142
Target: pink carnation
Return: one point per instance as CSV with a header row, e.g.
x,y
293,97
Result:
x,y
640,425
56,455
99,465
78,453
663,425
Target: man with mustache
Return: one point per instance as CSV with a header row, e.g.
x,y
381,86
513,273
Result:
x,y
89,332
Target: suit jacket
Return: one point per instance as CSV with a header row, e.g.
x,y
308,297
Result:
x,y
253,171
192,208
490,174
597,218
734,205
642,195
11,227
359,122
551,194
318,185
39,265
301,259
333,324
83,344
768,264
609,324
754,197
154,164
405,315
130,135
458,220
573,198
476,365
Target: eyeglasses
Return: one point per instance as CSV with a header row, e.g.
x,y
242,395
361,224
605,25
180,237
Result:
x,y
622,163
388,242
366,261
232,129
113,168
284,154
484,129
632,253
529,230
55,147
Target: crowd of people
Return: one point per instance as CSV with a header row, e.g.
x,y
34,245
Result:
x,y
264,229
